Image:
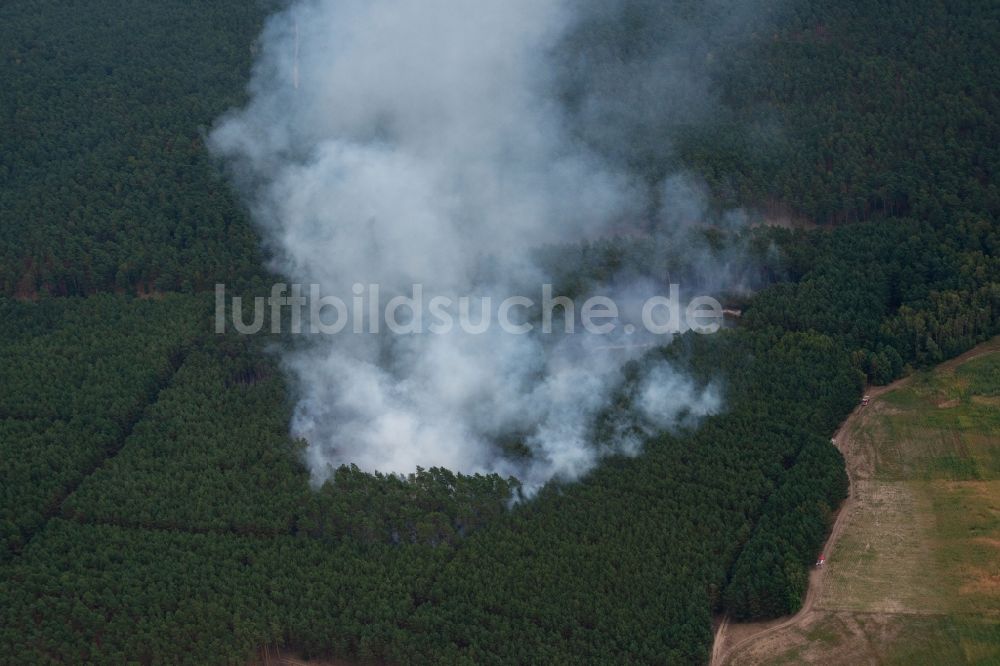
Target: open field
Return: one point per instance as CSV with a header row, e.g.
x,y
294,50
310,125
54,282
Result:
x,y
913,567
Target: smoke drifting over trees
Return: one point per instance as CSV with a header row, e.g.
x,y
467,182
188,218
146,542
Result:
x,y
404,141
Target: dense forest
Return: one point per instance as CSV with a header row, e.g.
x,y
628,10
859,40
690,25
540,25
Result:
x,y
153,507
105,183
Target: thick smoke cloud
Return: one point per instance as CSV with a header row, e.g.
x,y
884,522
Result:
x,y
635,73
426,141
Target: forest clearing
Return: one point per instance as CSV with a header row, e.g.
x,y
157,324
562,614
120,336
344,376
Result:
x,y
912,573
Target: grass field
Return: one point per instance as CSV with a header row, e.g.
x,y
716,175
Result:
x,y
915,576
856,638
942,425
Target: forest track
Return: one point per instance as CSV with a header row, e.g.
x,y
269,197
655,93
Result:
x,y
115,447
275,656
858,465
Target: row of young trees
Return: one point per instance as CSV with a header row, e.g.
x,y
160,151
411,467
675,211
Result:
x,y
77,376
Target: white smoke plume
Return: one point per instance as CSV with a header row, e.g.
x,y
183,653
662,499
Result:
x,y
406,141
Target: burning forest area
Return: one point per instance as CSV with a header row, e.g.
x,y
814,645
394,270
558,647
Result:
x,y
524,332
